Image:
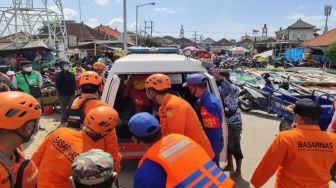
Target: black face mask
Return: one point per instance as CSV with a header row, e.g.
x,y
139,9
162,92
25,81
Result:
x,y
94,136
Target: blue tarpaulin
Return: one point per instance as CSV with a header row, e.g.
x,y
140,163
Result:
x,y
322,58
294,54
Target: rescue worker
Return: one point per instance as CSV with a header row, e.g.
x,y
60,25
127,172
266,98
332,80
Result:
x,y
78,70
57,152
230,97
89,85
135,89
82,105
19,117
303,156
28,80
209,111
173,160
93,169
176,114
100,67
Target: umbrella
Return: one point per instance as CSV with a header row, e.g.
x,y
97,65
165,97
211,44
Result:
x,y
239,50
191,48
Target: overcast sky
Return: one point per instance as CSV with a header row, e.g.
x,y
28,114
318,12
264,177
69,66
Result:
x,y
212,18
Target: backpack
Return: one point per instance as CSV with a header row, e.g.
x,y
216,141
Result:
x,y
7,163
76,116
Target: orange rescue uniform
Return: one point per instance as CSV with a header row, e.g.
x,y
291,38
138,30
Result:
x,y
176,153
55,155
302,157
177,116
102,85
28,177
109,139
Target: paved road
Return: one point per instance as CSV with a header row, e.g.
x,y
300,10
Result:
x,y
259,130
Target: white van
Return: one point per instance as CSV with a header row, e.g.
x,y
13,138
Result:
x,y
174,65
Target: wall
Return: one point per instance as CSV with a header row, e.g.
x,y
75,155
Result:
x,y
309,33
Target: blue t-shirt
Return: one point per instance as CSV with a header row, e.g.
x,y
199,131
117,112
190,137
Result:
x,y
215,135
149,175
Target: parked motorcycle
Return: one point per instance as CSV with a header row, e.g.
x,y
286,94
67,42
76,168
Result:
x,y
253,97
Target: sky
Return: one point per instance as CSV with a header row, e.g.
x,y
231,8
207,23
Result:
x,y
216,19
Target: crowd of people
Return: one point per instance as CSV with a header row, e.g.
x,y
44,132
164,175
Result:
x,y
183,144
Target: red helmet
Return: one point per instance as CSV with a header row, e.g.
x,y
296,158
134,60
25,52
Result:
x,y
17,108
90,77
158,81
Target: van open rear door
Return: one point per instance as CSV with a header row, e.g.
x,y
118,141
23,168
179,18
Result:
x,y
127,148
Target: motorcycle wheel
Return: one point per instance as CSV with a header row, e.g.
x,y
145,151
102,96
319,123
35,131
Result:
x,y
285,124
244,96
275,65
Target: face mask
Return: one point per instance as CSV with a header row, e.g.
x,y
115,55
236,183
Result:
x,y
66,67
28,69
94,136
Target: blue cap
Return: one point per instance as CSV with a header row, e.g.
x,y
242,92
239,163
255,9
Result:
x,y
195,79
143,124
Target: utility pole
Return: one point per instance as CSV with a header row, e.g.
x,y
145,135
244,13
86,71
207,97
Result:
x,y
151,28
125,27
181,32
195,36
146,27
80,11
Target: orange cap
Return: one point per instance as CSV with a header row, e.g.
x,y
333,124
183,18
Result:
x,y
17,108
101,119
99,66
90,77
158,81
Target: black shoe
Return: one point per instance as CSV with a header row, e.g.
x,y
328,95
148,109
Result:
x,y
42,129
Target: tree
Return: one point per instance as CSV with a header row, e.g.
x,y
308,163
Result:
x,y
147,41
330,53
44,28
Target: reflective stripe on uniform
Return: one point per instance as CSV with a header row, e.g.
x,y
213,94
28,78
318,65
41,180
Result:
x,y
222,178
75,117
175,148
202,182
209,164
189,179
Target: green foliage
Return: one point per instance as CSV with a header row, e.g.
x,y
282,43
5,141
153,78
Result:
x,y
44,28
330,53
147,41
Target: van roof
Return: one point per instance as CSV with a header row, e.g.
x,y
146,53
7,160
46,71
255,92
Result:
x,y
155,63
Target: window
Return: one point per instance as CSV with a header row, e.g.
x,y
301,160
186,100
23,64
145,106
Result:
x,y
294,36
303,36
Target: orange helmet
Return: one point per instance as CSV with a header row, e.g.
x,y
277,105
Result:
x,y
17,108
90,77
101,119
99,66
158,81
